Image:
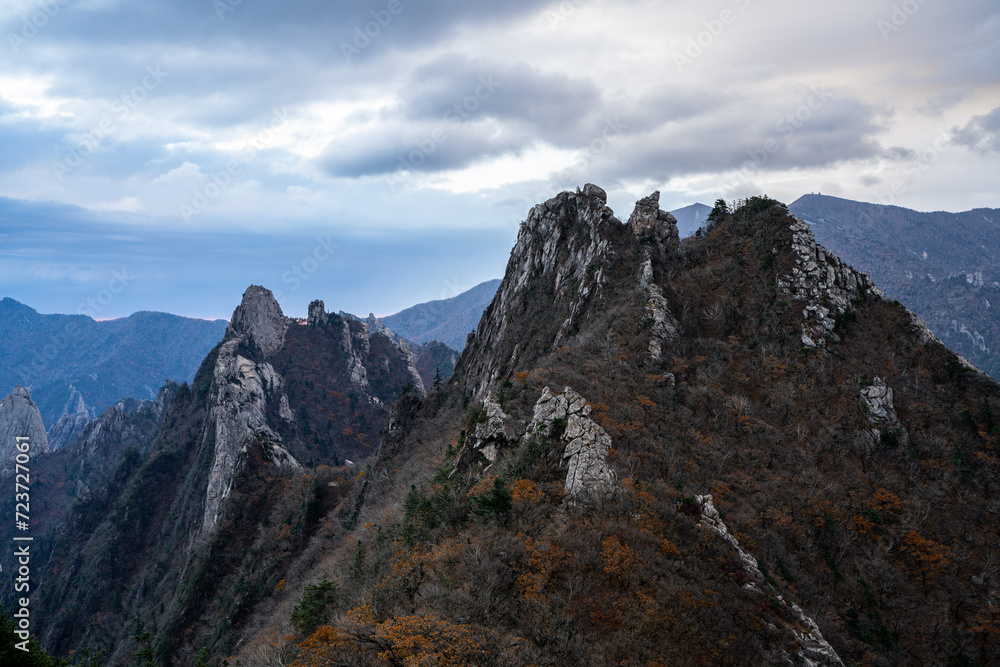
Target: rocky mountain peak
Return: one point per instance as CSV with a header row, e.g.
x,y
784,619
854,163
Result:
x,y
571,247
260,319
19,417
317,314
649,222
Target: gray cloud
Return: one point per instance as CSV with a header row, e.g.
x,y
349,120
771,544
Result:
x,y
981,133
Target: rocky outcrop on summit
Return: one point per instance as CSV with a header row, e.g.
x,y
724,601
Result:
x,y
814,650
567,251
259,320
19,417
649,222
828,286
317,316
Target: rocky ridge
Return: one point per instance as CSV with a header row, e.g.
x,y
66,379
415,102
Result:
x,y
565,250
814,650
828,286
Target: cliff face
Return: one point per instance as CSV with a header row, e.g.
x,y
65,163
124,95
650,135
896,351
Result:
x,y
730,450
19,417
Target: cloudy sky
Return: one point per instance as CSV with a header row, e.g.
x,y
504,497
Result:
x,y
164,154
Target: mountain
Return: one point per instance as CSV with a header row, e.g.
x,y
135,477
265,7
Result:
x,y
195,517
943,266
691,218
75,365
727,450
73,473
448,321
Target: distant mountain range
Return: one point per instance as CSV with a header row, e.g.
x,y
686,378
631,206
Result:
x,y
76,365
943,266
449,321
690,218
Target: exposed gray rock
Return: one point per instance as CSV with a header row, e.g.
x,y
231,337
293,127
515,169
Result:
x,y
240,387
317,316
588,475
259,319
877,401
658,227
828,286
19,417
500,430
565,242
664,328
814,650
74,419
128,423
355,346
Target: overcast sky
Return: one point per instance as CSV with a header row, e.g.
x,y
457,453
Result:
x,y
380,153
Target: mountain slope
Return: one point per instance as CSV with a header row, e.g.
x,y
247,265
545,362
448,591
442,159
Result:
x,y
448,320
65,358
943,266
733,451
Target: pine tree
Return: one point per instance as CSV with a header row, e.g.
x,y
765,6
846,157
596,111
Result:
x,y
437,378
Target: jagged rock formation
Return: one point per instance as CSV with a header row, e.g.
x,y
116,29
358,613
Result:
x,y
828,286
561,419
588,475
498,518
317,314
19,417
239,413
692,361
814,650
877,401
74,419
566,251
182,531
259,320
